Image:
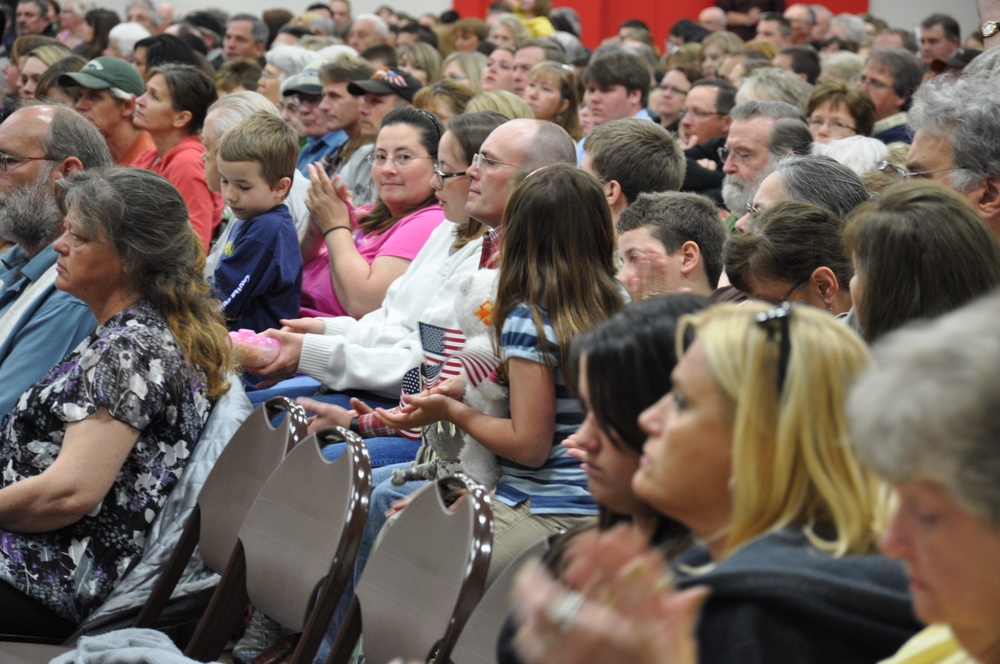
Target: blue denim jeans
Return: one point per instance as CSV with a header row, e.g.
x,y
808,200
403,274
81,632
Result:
x,y
388,451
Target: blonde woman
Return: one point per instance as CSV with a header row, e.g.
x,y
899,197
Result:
x,y
750,451
422,61
465,68
503,102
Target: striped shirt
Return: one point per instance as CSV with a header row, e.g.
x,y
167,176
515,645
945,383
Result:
x,y
559,486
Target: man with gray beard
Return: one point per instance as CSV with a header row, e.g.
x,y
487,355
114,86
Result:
x,y
39,324
761,133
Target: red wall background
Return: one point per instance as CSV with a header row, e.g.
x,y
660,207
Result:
x,y
600,18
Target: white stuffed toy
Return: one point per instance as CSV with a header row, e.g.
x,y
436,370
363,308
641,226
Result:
x,y
475,363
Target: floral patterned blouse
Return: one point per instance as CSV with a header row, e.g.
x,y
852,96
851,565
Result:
x,y
133,367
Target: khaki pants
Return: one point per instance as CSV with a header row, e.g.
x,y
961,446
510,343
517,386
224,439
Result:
x,y
516,529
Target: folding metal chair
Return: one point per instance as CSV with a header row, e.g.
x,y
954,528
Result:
x,y
422,582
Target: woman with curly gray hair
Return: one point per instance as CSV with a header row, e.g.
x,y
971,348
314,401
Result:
x,y
935,440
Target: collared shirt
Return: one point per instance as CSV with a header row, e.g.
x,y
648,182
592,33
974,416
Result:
x,y
46,330
20,271
885,124
490,258
318,149
643,114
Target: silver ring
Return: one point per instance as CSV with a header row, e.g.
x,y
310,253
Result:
x,y
562,614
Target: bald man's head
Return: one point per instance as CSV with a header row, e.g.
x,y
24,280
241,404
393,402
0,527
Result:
x,y
511,151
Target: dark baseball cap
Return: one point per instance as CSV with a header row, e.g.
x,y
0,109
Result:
x,y
387,82
106,72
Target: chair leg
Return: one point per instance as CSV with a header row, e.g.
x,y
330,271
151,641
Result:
x,y
223,614
347,637
165,585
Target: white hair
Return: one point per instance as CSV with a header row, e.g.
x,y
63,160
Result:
x,y
859,153
229,110
334,51
289,59
381,27
124,36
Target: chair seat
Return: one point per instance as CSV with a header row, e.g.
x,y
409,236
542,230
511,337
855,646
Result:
x,y
30,653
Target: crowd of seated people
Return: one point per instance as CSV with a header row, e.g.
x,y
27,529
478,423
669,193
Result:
x,y
810,202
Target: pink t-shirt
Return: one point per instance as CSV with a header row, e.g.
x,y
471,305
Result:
x,y
404,240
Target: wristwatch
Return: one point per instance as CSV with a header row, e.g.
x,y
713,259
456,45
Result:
x,y
990,28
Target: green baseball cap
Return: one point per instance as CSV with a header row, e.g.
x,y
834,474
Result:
x,y
106,72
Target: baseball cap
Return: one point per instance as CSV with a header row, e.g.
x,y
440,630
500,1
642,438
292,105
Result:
x,y
305,82
106,72
387,81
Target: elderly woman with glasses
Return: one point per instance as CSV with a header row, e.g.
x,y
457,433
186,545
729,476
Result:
x,y
839,110
936,442
749,450
793,253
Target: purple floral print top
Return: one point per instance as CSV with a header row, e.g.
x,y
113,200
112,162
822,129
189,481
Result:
x,y
133,367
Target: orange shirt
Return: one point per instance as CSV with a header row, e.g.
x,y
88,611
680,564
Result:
x,y
185,170
141,143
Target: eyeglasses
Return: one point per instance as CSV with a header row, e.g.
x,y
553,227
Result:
x,y
903,173
753,210
479,160
400,160
739,156
776,321
872,83
701,115
5,159
442,176
676,91
816,123
799,284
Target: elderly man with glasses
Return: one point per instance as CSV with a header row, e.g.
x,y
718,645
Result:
x,y
956,139
39,324
761,133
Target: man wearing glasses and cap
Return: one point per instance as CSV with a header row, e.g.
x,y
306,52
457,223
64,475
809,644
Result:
x,y
321,141
108,89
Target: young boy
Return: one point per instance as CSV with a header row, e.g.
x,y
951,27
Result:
x,y
259,275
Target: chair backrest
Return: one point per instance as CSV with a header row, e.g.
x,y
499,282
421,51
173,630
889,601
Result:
x,y
239,473
243,468
478,641
291,534
303,529
422,582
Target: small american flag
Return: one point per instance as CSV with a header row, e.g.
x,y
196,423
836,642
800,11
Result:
x,y
411,385
438,344
478,363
